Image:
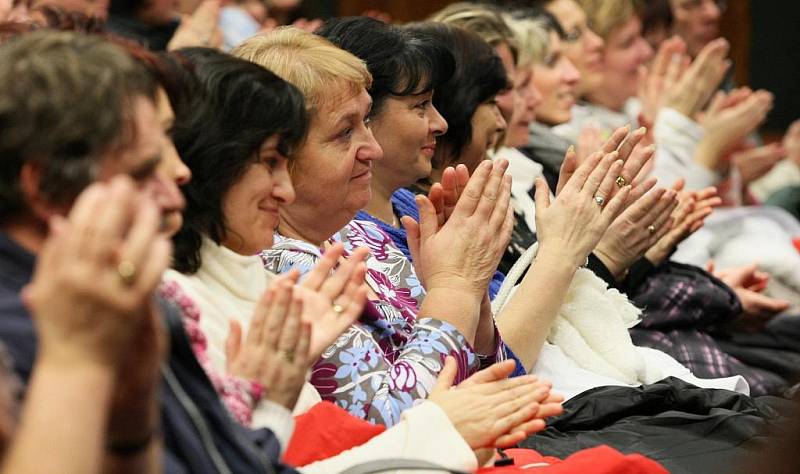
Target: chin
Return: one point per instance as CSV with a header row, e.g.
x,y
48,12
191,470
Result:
x,y
171,223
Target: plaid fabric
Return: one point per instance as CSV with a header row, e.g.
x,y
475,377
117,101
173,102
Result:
x,y
684,307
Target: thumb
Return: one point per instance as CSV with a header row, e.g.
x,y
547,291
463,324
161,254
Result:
x,y
542,195
493,373
447,376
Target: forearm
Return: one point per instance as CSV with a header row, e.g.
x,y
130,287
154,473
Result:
x,y
526,320
133,442
461,308
63,424
486,334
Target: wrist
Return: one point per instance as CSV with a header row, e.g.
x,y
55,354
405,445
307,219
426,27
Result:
x,y
617,269
560,257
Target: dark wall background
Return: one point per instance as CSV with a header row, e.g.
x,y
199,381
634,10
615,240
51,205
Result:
x,y
775,57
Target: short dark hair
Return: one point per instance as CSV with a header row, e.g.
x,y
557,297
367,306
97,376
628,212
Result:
x,y
401,62
237,106
65,101
478,76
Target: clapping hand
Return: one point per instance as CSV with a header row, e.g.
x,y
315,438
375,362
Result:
x,y
490,410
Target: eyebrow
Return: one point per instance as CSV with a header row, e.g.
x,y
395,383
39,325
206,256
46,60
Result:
x,y
146,168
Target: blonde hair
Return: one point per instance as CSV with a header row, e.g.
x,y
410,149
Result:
x,y
308,61
604,16
533,39
483,20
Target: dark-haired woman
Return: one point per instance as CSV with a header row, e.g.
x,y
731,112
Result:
x,y
406,69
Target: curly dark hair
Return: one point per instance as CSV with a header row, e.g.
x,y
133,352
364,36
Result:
x,y
236,106
479,75
402,62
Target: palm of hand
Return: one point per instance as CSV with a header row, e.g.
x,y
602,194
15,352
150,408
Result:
x,y
326,323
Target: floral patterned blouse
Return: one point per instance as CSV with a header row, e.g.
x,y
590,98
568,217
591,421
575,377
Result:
x,y
388,360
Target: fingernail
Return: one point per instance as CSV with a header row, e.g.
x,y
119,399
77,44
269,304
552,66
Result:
x,y
641,131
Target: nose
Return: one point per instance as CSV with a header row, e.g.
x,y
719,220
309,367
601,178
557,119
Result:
x,y
646,50
711,10
534,97
283,190
500,121
569,73
166,194
370,149
594,42
437,125
180,173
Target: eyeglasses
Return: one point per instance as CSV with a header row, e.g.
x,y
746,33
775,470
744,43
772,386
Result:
x,y
694,5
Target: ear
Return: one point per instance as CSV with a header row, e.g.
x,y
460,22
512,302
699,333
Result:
x,y
39,207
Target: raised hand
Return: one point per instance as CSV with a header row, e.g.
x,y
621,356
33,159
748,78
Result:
x,y
754,163
490,410
655,80
629,151
465,250
791,142
687,219
275,353
333,299
700,80
91,292
198,29
572,225
640,226
728,120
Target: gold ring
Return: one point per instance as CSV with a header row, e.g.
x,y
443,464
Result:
x,y
621,182
288,355
127,272
338,309
651,228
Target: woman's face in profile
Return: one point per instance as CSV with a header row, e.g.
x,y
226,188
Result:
x,y
556,79
332,170
625,52
487,125
406,128
251,204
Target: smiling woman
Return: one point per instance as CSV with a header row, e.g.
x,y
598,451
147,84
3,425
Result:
x,y
392,355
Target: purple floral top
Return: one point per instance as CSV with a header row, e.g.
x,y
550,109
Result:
x,y
388,360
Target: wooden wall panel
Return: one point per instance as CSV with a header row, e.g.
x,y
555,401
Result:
x,y
400,10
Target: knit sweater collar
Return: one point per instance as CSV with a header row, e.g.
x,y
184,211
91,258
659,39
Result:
x,y
243,276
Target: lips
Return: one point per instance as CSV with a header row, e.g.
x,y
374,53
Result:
x,y
366,174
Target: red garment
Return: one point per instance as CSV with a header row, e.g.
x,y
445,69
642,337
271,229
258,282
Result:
x,y
325,431
597,460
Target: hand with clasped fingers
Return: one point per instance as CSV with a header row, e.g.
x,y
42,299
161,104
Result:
x,y
490,410
293,323
100,338
687,218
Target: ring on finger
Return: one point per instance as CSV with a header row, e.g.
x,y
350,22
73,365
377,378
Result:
x,y
288,355
599,200
127,272
651,228
621,182
338,309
